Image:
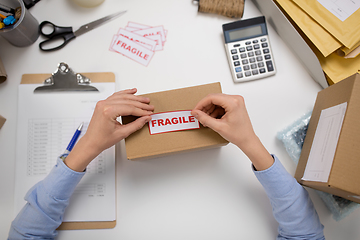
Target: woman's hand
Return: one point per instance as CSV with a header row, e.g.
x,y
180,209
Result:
x,y
227,115
104,130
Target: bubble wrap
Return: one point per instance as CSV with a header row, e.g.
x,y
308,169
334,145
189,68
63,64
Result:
x,y
293,139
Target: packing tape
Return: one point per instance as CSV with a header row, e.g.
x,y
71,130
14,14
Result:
x,y
228,8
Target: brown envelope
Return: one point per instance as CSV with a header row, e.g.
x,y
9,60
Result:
x,y
338,68
349,53
322,39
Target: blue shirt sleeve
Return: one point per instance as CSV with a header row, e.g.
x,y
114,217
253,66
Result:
x,y
291,204
47,200
45,204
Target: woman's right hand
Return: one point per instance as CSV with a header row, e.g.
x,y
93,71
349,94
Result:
x,y
227,115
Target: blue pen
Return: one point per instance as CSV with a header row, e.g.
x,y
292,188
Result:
x,y
72,142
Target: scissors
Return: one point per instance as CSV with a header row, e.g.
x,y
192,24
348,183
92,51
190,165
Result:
x,y
60,36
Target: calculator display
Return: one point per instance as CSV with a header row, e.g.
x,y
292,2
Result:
x,y
245,33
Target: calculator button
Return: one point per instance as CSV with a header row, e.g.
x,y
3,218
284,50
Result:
x,y
253,66
245,61
242,49
251,54
252,60
256,46
237,63
235,57
254,72
248,43
269,66
249,48
248,74
259,58
255,41
233,51
237,45
267,57
264,45
262,70
261,64
263,40
257,52
246,67
238,69
265,51
239,75
243,55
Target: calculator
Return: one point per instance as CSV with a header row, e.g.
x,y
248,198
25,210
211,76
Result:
x,y
248,49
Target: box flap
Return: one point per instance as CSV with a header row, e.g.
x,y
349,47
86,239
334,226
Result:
x,y
329,97
142,145
2,121
345,173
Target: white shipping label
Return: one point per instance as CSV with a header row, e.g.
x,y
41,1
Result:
x,y
324,145
342,9
172,122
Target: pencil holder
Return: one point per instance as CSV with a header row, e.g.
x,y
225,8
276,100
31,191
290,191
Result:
x,y
228,8
25,31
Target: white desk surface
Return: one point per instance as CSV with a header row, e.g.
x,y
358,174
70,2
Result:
x,y
210,194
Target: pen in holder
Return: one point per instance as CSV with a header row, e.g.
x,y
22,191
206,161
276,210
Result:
x,y
227,8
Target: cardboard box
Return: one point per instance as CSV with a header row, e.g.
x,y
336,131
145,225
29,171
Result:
x,y
2,121
292,38
3,74
142,145
341,175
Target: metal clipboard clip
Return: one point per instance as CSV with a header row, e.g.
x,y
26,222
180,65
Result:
x,y
65,80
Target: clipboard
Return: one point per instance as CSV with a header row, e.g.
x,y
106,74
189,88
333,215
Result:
x,y
100,77
93,76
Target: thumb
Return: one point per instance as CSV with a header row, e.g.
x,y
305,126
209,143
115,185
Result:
x,y
206,120
134,126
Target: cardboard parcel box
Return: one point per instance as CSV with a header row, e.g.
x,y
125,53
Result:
x,y
2,121
141,144
330,158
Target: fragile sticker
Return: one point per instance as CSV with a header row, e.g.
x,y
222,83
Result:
x,y
139,38
145,42
137,26
152,31
172,122
132,50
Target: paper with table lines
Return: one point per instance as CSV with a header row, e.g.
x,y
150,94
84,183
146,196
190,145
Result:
x,y
46,124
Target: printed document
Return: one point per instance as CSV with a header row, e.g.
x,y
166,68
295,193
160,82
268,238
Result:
x,y
324,144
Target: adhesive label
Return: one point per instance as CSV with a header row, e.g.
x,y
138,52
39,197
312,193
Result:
x,y
139,42
132,50
152,31
342,9
172,122
145,42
